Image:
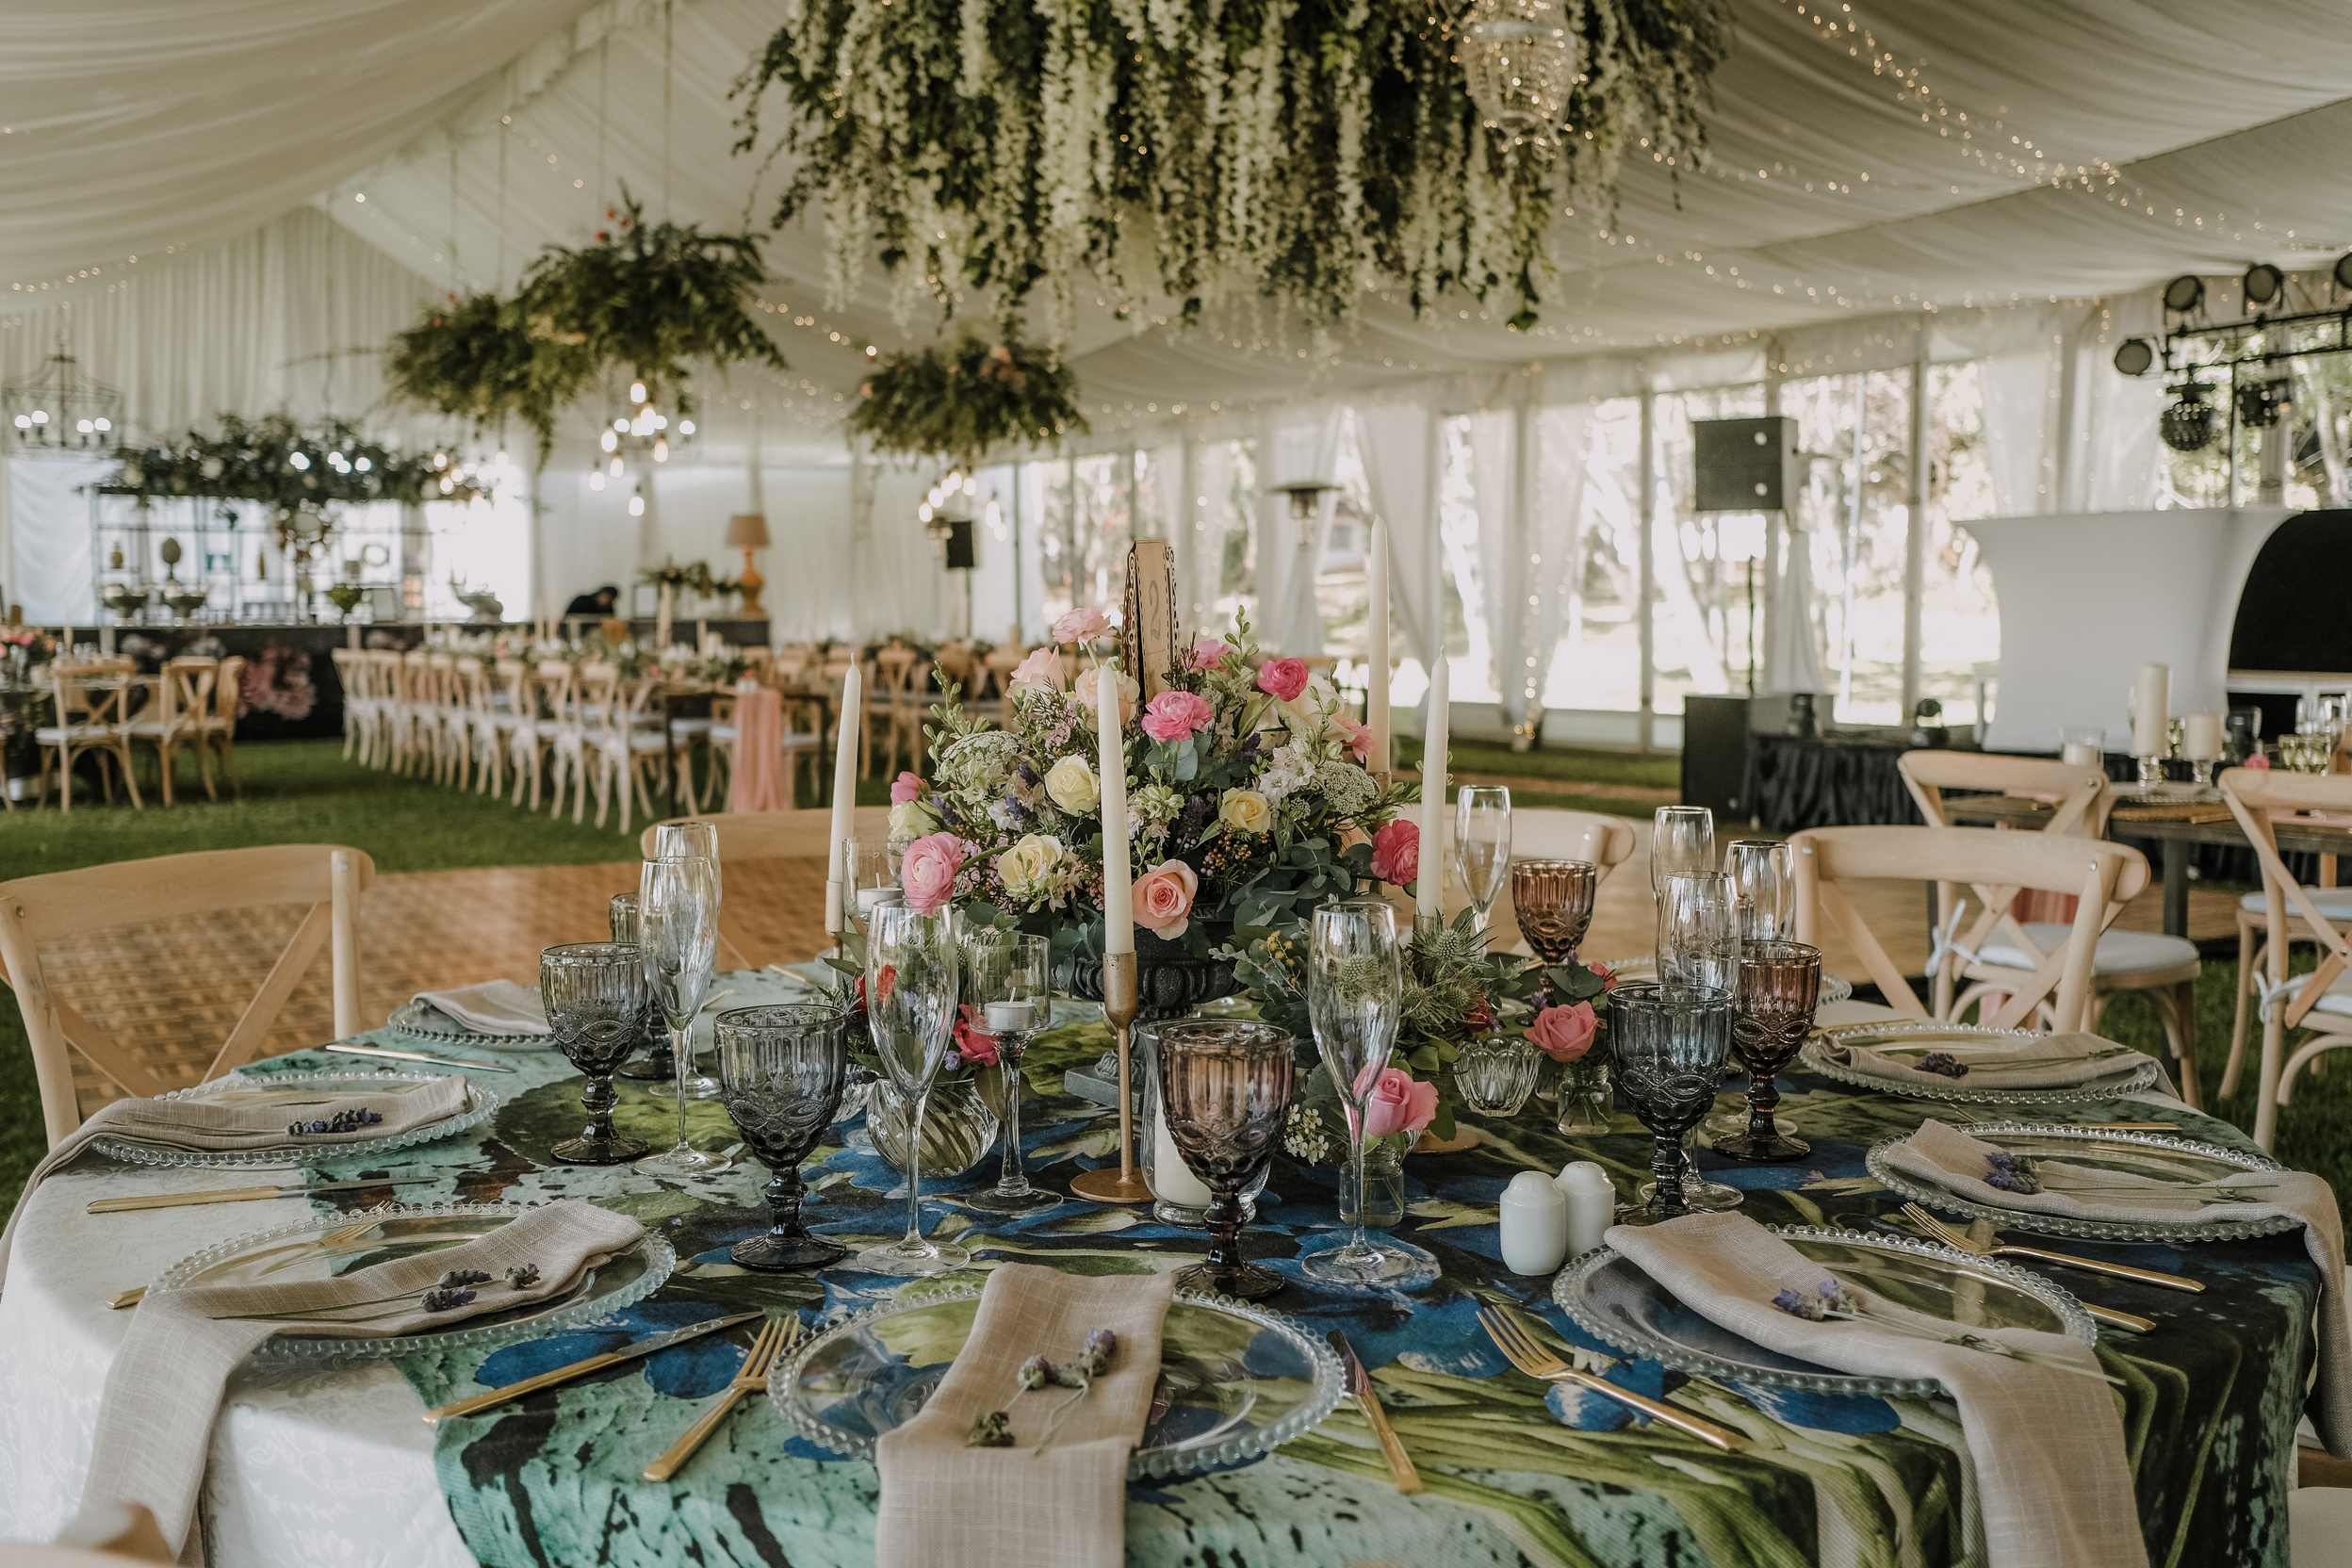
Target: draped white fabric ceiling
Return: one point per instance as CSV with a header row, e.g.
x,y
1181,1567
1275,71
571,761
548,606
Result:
x,y
1887,156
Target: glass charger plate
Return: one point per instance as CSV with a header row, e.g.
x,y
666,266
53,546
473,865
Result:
x,y
422,1020
334,1244
292,1090
2130,1080
2139,1154
1235,1380
1610,1299
1835,987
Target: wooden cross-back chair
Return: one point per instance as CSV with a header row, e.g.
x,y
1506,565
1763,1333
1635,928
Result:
x,y
92,699
2103,876
744,836
1606,841
174,722
39,911
2321,1001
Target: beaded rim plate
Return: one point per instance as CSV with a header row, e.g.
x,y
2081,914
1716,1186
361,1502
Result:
x,y
1226,1442
2130,1080
482,1104
2089,1230
422,1020
1573,1286
1835,987
620,1281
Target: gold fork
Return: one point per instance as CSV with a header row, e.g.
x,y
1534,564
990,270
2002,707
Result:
x,y
1536,1362
1954,1237
775,1336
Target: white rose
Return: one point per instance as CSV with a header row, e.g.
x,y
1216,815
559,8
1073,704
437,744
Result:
x,y
1030,868
912,820
1073,786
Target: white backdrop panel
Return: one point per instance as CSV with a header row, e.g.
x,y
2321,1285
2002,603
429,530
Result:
x,y
49,526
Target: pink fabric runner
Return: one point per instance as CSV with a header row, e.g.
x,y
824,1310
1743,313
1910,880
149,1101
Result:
x,y
759,781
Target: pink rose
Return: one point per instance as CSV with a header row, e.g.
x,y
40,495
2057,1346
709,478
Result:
x,y
905,787
927,874
1172,715
1358,736
2259,761
1088,694
1163,898
1397,1104
1208,653
1085,624
1565,1033
1609,975
1397,852
973,1043
1282,678
1042,668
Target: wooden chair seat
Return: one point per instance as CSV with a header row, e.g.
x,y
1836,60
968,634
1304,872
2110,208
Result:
x,y
2315,1002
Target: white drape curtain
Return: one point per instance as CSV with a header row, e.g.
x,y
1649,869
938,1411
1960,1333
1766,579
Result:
x,y
1297,445
51,575
1555,552
1201,542
1527,466
1399,443
1792,628
2063,431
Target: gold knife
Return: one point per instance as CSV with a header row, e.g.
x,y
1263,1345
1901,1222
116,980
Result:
x,y
1368,1401
581,1368
385,1053
248,1195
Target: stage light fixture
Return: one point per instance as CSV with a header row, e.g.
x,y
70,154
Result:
x,y
2343,271
2260,402
2264,283
2188,424
2184,293
2136,356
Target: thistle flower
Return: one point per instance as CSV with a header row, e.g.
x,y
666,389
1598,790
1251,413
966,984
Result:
x,y
1943,1064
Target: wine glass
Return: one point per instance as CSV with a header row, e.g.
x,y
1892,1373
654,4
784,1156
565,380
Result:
x,y
1780,984
911,964
1763,886
1698,944
1482,844
1553,900
698,841
1672,1043
598,1000
658,1065
678,929
1009,975
1682,838
1225,1087
781,1073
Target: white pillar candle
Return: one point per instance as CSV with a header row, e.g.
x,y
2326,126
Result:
x,y
1173,1181
844,793
2201,737
1592,1204
1376,689
2152,704
1118,905
1534,1225
1429,890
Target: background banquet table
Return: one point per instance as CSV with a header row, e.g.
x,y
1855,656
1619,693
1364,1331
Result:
x,y
325,1464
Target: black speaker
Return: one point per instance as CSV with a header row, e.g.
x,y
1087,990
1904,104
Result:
x,y
1746,464
1715,754
959,548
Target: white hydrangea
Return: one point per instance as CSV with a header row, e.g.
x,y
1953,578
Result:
x,y
1288,772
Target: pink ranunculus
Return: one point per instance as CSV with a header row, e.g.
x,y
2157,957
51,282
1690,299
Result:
x,y
1358,736
1282,678
2258,760
1043,669
1163,899
1397,852
1088,693
1565,1033
927,874
1085,624
1208,653
905,787
1397,1104
1172,715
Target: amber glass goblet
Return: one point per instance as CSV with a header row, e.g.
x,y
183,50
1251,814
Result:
x,y
1553,900
1225,1087
1779,986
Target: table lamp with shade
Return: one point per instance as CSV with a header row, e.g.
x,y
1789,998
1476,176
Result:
x,y
749,531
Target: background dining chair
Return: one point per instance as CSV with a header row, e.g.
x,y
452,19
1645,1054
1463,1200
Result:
x,y
37,912
175,721
748,836
90,699
219,730
1537,834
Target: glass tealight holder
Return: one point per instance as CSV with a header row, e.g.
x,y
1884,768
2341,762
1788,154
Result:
x,y
1495,1074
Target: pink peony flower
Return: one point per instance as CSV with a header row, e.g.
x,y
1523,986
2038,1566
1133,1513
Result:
x,y
1172,715
1397,852
1128,693
1282,678
905,787
973,1043
927,874
1565,1033
1397,1104
1042,668
1085,624
1358,736
1163,899
1208,653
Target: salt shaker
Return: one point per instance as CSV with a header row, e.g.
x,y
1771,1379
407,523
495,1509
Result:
x,y
1592,1204
1535,1225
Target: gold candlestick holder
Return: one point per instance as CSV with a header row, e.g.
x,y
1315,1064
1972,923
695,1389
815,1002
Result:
x,y
1119,1005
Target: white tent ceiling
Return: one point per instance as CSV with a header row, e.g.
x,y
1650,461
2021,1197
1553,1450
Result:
x,y
1889,156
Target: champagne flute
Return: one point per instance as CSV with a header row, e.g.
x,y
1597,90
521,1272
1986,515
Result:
x,y
1010,979
1482,844
911,964
597,1003
678,920
658,1067
1764,887
692,840
1682,838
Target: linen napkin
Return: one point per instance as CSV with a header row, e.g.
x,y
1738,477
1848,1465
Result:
x,y
493,1007
155,1419
212,1126
2052,1478
1949,1158
2038,1062
943,1501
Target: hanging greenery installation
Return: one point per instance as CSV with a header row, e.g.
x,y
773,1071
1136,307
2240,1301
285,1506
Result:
x,y
960,401
476,359
287,467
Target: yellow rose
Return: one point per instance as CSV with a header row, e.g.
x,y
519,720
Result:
x,y
1073,786
1028,868
1246,812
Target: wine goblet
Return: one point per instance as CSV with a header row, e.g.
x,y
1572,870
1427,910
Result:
x,y
1672,1043
1482,845
1553,901
1780,985
598,1002
911,964
659,1065
780,1074
1698,944
690,840
1009,974
1225,1087
678,930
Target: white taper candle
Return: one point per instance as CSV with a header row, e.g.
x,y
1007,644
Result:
x,y
2152,704
1376,697
1119,907
1428,897
844,793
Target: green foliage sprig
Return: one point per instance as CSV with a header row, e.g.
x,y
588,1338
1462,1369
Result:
x,y
476,359
960,401
278,463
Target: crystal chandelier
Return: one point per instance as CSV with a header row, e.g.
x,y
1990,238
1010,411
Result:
x,y
644,429
1520,63
59,409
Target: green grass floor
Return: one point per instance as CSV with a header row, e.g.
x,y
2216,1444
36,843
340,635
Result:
x,y
1656,772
